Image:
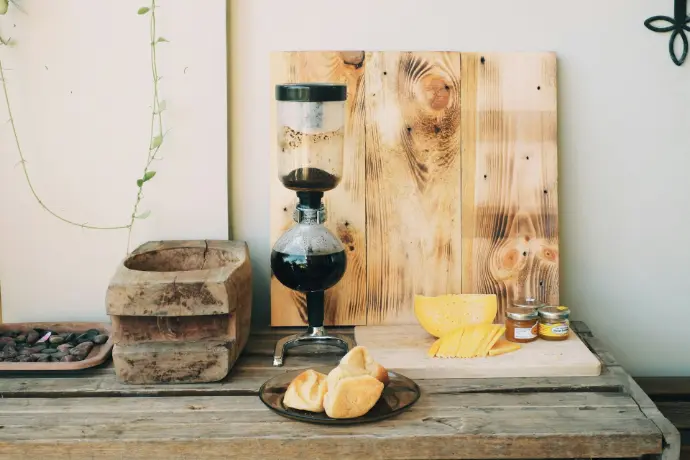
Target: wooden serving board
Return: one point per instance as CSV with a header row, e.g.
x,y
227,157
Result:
x,y
98,354
450,180
403,349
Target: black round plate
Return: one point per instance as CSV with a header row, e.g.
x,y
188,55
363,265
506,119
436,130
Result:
x,y
398,395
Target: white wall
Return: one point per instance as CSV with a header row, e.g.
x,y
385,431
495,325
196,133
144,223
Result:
x,y
624,118
81,88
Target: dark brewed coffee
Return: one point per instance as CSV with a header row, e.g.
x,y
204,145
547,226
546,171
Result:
x,y
307,273
310,179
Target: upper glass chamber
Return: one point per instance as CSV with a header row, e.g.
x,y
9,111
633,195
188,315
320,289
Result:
x,y
310,135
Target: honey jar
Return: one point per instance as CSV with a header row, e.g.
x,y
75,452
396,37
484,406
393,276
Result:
x,y
521,324
554,323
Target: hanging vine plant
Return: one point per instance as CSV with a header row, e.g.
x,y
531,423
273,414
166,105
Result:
x,y
157,133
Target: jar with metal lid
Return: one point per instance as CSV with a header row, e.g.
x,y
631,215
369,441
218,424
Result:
x,y
530,302
521,324
554,323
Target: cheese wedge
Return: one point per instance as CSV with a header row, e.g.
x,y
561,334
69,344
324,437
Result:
x,y
503,346
443,314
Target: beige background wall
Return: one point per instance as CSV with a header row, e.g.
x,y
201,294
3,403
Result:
x,y
624,118
624,149
81,87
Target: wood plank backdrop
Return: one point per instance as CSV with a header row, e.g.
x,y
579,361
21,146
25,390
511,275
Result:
x,y
450,180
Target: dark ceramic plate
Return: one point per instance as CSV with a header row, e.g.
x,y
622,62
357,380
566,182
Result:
x,y
397,396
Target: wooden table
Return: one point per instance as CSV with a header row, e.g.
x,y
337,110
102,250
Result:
x,y
89,415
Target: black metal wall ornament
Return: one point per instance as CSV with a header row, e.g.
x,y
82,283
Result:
x,y
678,24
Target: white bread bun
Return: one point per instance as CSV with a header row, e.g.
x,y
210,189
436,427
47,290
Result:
x,y
306,392
358,361
350,397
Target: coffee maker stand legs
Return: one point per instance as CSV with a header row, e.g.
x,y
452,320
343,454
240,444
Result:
x,y
315,334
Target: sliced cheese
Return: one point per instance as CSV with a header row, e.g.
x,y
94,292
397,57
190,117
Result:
x,y
450,343
434,348
491,330
442,314
497,334
503,346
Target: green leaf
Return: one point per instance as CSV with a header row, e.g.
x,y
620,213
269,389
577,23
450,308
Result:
x,y
162,40
140,183
149,175
156,142
4,4
143,10
144,214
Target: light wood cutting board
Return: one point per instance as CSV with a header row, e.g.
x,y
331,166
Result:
x,y
403,349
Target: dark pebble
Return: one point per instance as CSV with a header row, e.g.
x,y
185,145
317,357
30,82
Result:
x,y
12,333
31,337
35,349
49,351
93,332
100,339
44,359
26,352
82,349
84,338
9,352
40,346
39,356
20,338
56,340
69,336
59,355
25,359
69,359
64,347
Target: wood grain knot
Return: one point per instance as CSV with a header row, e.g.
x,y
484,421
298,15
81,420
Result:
x,y
549,254
510,259
437,92
344,234
354,58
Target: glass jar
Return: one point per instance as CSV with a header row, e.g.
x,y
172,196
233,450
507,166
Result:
x,y
308,257
554,323
521,324
310,134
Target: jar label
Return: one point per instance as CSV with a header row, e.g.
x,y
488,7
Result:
x,y
525,332
554,329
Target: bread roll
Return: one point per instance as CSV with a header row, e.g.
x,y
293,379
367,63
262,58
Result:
x,y
306,392
350,397
358,361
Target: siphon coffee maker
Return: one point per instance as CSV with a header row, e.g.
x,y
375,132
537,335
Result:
x,y
309,258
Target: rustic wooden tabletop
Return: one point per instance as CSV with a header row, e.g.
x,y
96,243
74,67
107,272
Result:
x,y
89,415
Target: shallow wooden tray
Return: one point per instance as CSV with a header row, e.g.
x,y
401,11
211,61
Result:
x,y
98,354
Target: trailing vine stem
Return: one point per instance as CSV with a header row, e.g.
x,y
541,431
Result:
x,y
23,161
157,108
156,140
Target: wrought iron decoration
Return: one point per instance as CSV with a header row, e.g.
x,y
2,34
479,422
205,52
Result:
x,y
678,24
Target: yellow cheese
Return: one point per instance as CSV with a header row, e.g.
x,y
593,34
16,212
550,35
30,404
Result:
x,y
434,348
503,346
494,338
491,332
476,336
450,343
445,313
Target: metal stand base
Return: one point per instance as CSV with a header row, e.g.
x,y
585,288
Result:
x,y
314,335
